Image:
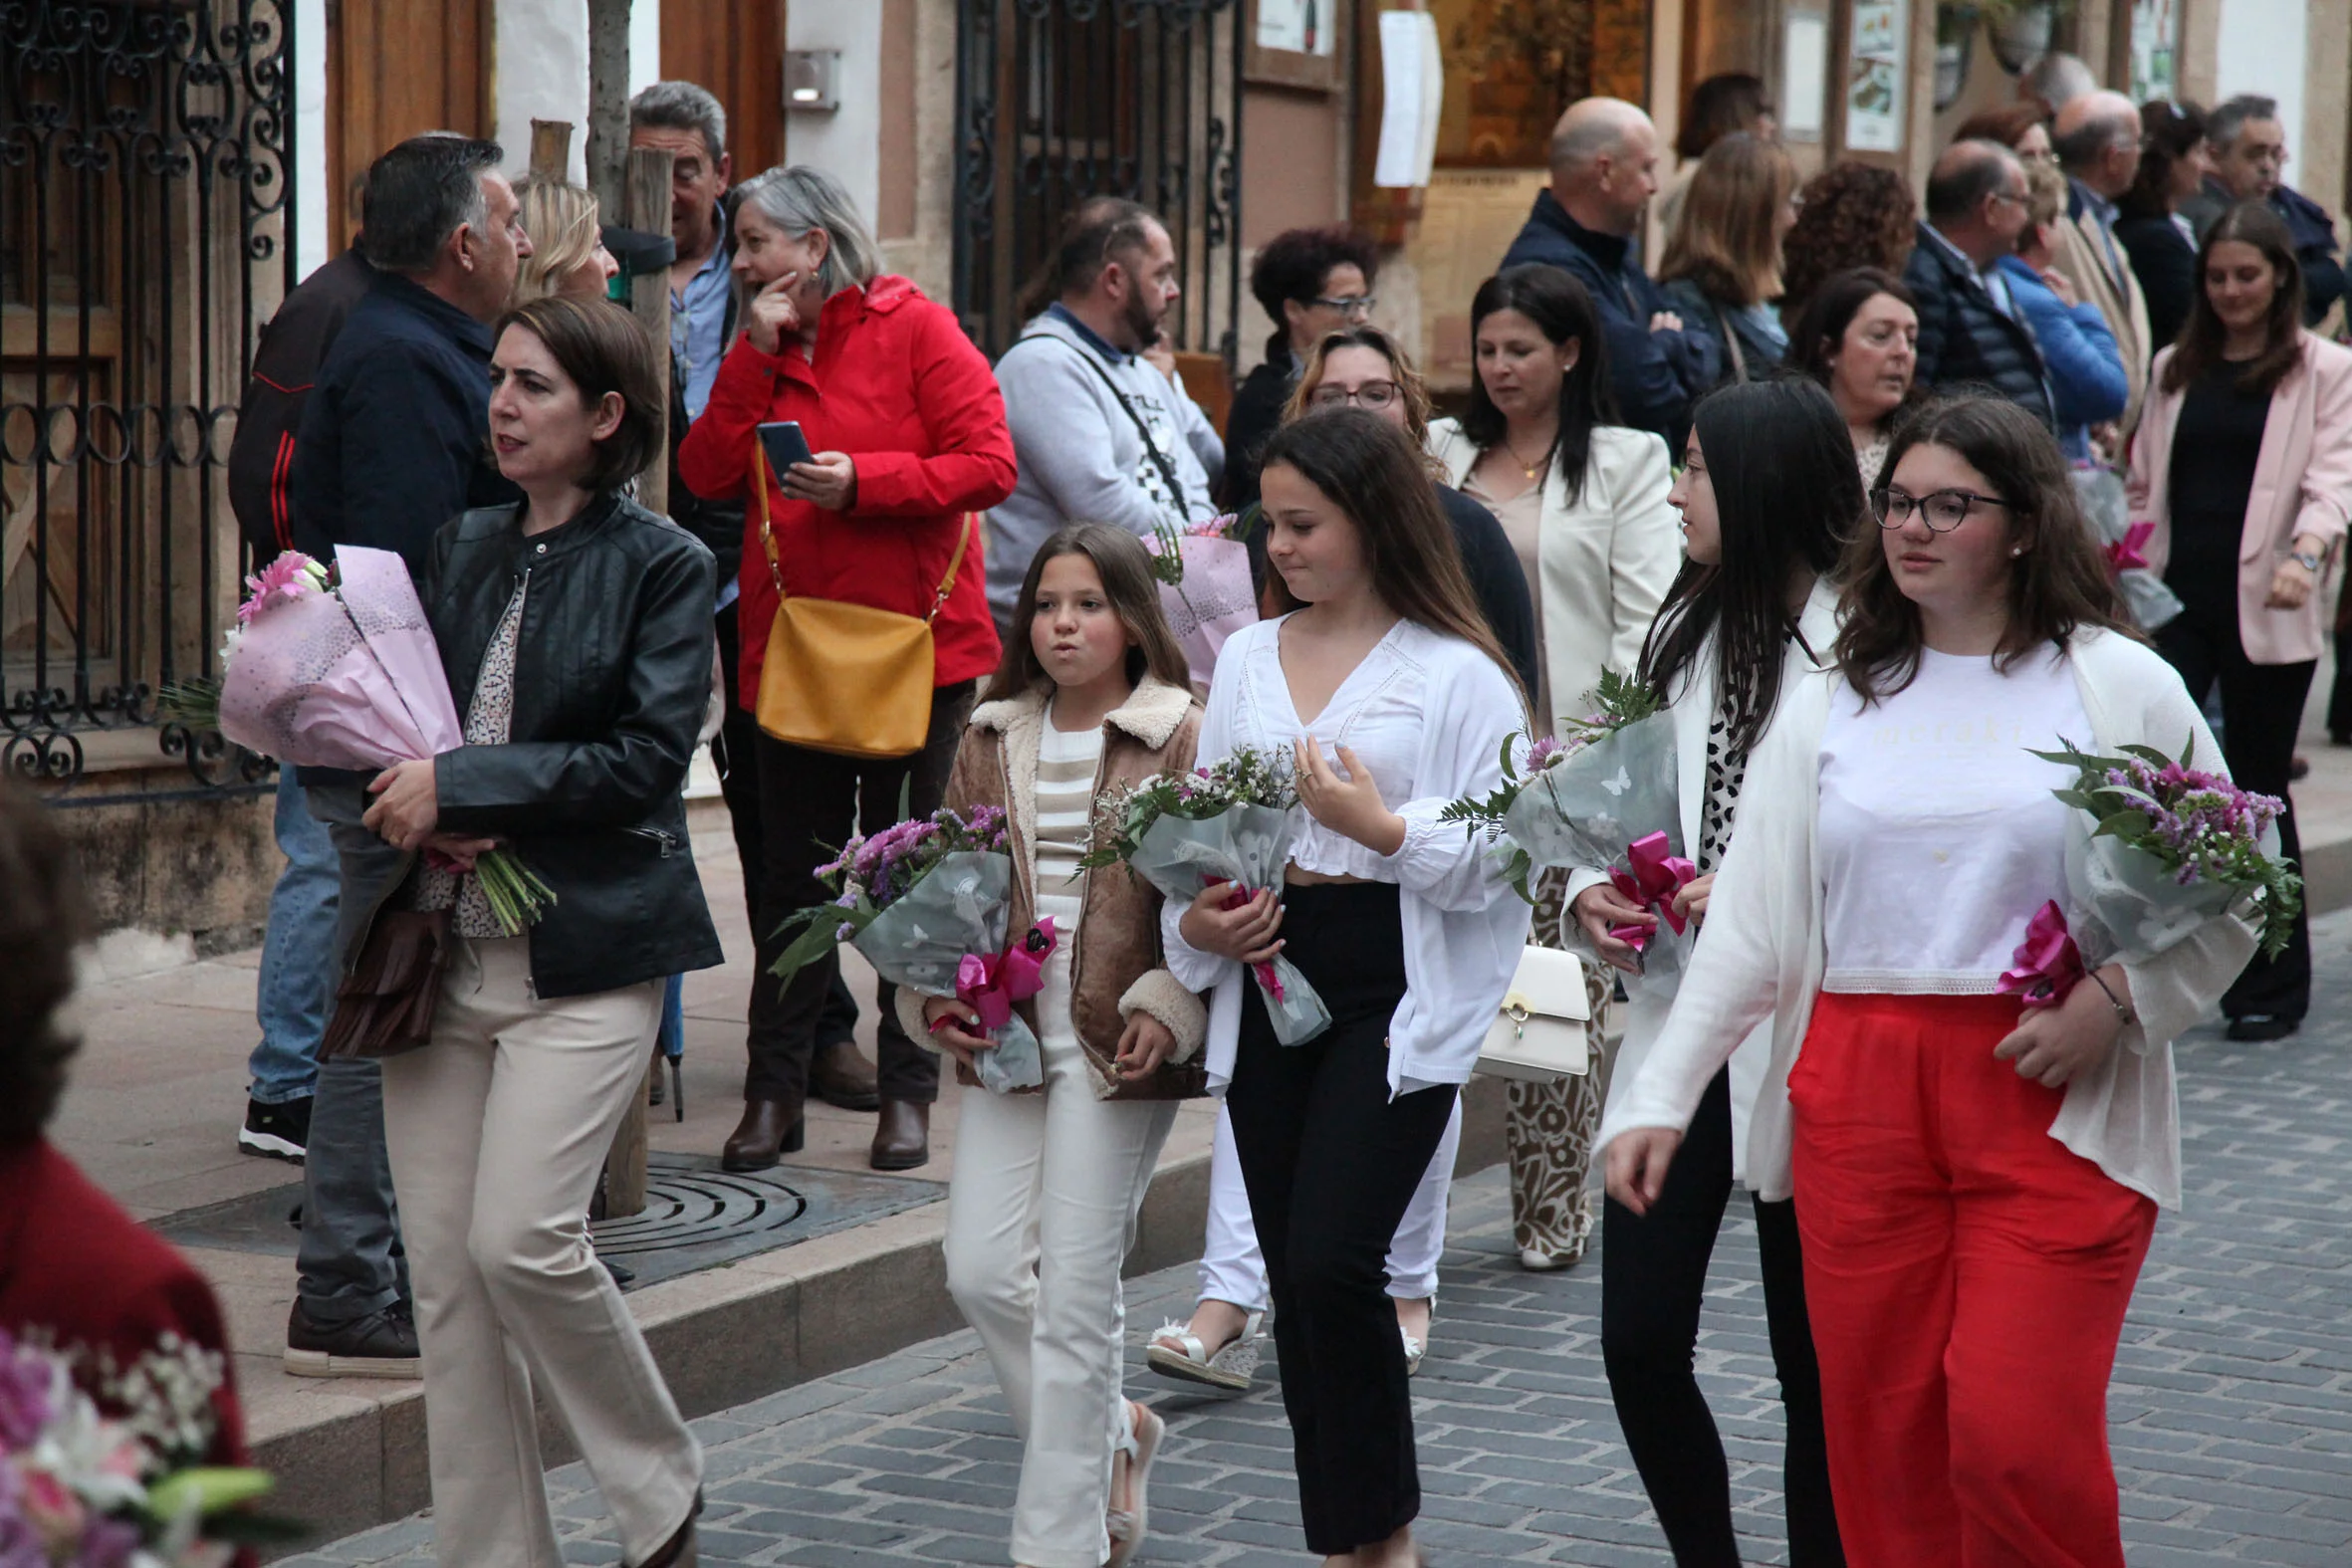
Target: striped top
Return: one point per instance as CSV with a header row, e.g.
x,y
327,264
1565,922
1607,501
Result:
x,y
1067,762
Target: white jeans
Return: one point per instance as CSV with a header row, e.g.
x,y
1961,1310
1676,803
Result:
x,y
1040,1216
1232,1269
496,1131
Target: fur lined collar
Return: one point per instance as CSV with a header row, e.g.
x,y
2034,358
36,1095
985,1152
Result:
x,y
1152,714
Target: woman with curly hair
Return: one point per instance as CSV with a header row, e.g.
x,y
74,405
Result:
x,y
1309,281
1848,215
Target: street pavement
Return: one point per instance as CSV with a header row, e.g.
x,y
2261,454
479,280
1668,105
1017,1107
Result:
x,y
2231,1403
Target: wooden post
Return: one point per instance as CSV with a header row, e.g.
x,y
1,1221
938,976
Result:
x,y
551,149
609,98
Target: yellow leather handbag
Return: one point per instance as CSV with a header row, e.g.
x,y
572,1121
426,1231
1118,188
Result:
x,y
850,679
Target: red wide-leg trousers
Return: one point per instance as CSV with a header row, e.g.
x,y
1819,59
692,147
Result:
x,y
1967,1276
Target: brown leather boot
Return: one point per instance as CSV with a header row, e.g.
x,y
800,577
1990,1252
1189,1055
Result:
x,y
840,1076
768,1130
903,1136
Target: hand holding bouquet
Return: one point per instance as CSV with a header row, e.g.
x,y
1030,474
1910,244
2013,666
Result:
x,y
929,901
1224,825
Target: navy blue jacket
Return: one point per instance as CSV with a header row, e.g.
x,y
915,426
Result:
x,y
1964,339
1656,376
2315,248
395,439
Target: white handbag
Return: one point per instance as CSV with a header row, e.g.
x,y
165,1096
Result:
x,y
1540,1033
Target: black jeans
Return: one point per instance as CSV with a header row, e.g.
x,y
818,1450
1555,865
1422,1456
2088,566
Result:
x,y
1653,1278
810,805
2261,712
1330,1163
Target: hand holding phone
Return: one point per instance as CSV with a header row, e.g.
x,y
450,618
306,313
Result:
x,y
784,445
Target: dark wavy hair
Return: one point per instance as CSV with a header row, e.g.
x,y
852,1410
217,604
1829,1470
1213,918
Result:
x,y
1292,265
1816,335
1782,469
1125,567
2201,338
42,920
2168,132
1854,215
1366,466
1722,105
1562,311
2059,585
602,349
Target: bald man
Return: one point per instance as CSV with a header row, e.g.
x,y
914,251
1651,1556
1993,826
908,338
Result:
x,y
1970,330
2097,138
1604,170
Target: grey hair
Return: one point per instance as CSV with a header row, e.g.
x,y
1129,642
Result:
x,y
800,200
682,105
2087,143
421,192
2058,79
1966,173
2225,123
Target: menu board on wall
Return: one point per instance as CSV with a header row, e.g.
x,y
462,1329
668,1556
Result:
x,y
1875,79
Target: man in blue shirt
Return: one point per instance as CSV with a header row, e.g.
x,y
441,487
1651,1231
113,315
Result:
x,y
688,124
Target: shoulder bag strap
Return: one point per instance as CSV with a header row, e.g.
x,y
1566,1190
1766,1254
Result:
x,y
760,477
964,526
1731,342
1159,458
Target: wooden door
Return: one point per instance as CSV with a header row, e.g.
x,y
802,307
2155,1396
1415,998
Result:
x,y
735,47
396,69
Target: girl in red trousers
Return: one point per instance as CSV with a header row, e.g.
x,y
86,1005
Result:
x,y
1975,1185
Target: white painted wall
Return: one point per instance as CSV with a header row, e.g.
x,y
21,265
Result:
x,y
2256,36
645,45
314,205
847,143
540,69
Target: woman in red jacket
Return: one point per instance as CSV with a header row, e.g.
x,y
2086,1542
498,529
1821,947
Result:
x,y
908,428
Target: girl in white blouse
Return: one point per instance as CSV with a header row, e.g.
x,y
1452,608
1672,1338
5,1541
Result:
x,y
1976,1185
1382,686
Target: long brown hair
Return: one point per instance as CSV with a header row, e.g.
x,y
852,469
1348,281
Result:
x,y
1723,238
2202,339
1366,468
1125,567
41,920
2059,585
1409,385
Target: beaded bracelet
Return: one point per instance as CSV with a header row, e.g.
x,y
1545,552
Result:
x,y
2123,1014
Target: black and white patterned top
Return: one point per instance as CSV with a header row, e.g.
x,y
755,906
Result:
x,y
488,722
1726,768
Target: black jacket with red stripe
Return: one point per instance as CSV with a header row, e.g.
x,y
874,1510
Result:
x,y
285,365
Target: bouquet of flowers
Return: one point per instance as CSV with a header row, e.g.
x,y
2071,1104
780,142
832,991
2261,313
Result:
x,y
82,1490
1604,795
2174,846
342,671
1205,584
1224,825
2145,595
929,901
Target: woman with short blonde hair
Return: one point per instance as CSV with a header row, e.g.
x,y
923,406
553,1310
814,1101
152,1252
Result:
x,y
567,254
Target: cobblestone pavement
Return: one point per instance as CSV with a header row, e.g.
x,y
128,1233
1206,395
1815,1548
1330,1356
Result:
x,y
2231,1402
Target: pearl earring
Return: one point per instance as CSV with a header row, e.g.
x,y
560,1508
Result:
x,y
2016,551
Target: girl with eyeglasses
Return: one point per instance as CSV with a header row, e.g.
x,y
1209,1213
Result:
x,y
1975,1184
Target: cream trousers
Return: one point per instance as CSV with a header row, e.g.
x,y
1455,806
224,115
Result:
x,y
1040,1216
496,1131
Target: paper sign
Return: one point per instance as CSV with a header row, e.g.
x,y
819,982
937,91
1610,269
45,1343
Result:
x,y
1413,86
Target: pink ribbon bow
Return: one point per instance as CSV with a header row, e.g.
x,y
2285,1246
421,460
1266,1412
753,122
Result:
x,y
2125,553
2048,963
1657,875
990,983
1270,979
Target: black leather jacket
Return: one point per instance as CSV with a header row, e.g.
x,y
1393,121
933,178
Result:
x,y
613,674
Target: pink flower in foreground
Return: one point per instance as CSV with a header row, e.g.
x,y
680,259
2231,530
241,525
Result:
x,y
290,576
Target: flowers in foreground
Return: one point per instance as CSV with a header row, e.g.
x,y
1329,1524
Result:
x,y
195,702
875,870
1247,777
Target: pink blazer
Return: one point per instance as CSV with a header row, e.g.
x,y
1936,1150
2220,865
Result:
x,y
2302,485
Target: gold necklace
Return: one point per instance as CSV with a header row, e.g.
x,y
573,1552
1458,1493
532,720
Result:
x,y
1535,469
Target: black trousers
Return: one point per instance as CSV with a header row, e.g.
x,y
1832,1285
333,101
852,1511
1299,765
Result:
x,y
1330,1163
810,805
1653,1278
2261,712
736,751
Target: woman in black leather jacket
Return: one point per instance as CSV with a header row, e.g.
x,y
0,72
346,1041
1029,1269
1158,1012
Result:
x,y
576,632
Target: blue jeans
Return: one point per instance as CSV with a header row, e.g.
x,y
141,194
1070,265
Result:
x,y
297,952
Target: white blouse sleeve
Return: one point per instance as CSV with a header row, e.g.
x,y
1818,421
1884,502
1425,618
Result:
x,y
1195,970
1472,707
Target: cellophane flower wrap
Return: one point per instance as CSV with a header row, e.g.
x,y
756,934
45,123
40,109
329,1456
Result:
x,y
343,672
125,1484
1224,824
2150,602
1206,589
1603,794
918,899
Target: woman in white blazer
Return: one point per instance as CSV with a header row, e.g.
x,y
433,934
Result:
x,y
1976,1186
1583,501
1768,494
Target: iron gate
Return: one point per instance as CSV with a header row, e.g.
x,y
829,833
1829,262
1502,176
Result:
x,y
1057,100
144,229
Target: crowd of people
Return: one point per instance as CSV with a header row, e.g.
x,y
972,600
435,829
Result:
x,y
1830,480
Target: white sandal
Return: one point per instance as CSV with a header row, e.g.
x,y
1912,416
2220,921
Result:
x,y
1141,1445
1176,1352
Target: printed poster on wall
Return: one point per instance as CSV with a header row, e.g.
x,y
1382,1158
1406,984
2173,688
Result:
x,y
1304,27
1874,90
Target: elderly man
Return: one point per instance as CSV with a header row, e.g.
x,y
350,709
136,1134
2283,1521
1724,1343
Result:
x,y
2249,148
1970,330
2098,146
1604,170
2056,79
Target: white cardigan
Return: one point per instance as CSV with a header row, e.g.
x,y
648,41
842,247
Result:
x,y
1650,999
1604,562
1761,952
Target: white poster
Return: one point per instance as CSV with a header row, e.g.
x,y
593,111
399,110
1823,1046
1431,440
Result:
x,y
1413,94
1874,83
1804,76
1305,27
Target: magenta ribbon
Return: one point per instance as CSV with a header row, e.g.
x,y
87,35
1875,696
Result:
x,y
2048,963
1270,980
990,983
1657,874
2125,553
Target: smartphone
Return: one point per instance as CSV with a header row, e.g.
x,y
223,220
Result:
x,y
784,445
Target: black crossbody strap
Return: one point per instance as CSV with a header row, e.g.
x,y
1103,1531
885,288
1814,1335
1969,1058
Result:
x,y
1159,459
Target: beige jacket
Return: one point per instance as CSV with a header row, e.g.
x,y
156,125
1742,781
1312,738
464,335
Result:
x,y
1117,968
2081,254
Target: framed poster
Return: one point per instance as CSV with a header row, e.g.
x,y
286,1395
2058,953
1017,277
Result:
x,y
1874,77
1295,43
1804,75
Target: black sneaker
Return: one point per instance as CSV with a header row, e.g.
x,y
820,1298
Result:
x,y
380,1345
2261,1027
275,1132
